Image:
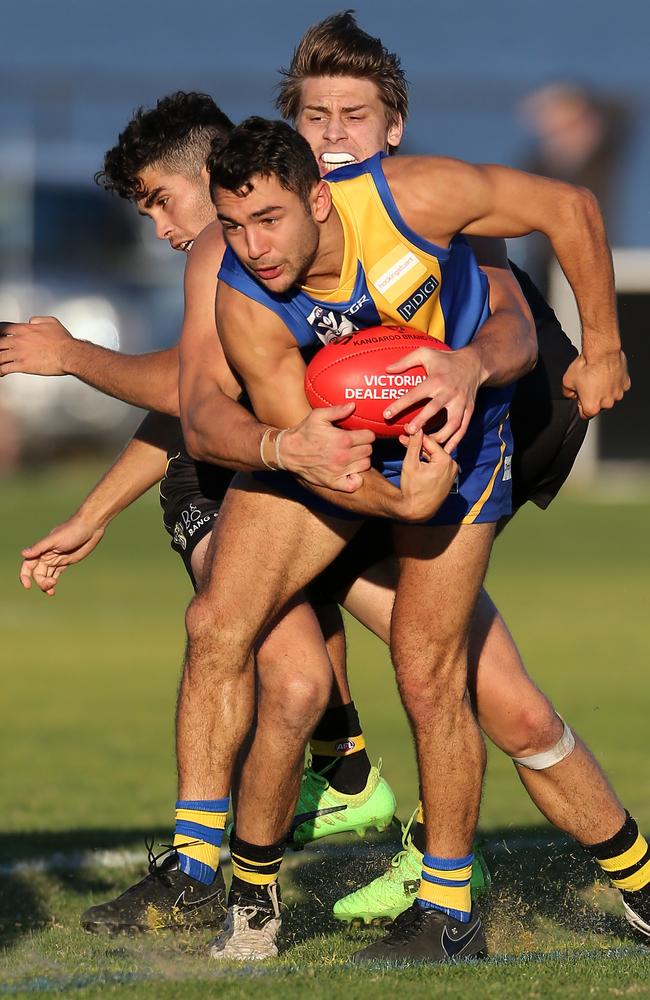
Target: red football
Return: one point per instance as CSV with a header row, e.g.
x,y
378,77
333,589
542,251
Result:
x,y
353,369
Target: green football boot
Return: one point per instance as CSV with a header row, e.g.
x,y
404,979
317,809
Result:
x,y
322,811
393,892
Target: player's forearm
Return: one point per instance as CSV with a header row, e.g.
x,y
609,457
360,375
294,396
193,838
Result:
x,y
579,241
504,349
376,497
220,430
146,380
139,467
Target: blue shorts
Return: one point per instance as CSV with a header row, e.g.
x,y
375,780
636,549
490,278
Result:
x,y
481,494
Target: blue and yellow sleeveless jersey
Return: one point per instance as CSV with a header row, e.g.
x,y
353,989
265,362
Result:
x,y
390,275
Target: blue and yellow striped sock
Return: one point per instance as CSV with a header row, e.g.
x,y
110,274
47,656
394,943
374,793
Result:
x,y
197,838
445,886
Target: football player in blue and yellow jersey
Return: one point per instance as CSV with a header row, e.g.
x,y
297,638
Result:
x,y
302,243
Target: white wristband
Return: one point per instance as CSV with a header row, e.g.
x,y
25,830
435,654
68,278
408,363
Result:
x,y
278,460
262,443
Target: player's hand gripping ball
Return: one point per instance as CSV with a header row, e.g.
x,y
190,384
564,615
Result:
x,y
353,369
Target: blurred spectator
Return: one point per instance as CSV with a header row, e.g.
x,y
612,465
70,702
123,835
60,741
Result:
x,y
580,138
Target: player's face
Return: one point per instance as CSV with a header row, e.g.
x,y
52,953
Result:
x,y
344,120
179,206
274,234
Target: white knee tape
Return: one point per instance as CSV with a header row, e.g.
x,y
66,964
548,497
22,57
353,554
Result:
x,y
562,749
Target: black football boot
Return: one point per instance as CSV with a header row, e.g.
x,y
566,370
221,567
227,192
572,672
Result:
x,y
165,898
426,935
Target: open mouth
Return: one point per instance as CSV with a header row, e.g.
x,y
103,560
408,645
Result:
x,y
333,160
268,273
183,247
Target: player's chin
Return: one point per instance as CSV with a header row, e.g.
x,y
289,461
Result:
x,y
280,282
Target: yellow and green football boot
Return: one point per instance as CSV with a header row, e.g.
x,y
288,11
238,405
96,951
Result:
x,y
393,892
323,811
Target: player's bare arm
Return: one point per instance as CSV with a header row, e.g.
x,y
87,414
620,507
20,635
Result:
x,y
439,197
219,429
43,346
263,352
503,350
139,467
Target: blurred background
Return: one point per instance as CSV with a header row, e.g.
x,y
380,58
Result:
x,y
558,88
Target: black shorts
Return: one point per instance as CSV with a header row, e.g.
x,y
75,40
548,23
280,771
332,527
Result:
x,y
191,494
547,428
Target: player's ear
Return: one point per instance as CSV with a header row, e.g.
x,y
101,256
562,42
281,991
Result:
x,y
321,201
395,132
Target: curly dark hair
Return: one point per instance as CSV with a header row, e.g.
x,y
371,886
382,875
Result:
x,y
177,133
268,148
337,46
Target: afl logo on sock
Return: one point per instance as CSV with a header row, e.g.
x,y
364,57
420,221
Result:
x,y
344,746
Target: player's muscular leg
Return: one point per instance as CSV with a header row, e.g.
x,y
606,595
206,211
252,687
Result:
x,y
294,685
573,794
370,597
264,549
331,625
441,572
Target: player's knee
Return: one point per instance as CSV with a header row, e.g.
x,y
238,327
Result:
x,y
537,729
304,701
213,634
294,695
427,689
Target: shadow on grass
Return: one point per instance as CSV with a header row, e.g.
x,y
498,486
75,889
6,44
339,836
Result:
x,y
538,875
37,867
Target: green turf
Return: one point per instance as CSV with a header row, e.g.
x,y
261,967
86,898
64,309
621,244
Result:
x,y
89,682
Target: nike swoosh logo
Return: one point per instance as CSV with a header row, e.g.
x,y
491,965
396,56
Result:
x,y
183,905
453,946
305,817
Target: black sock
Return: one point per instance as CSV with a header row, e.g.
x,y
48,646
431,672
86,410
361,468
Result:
x,y
338,745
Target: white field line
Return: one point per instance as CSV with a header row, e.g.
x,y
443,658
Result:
x,y
120,858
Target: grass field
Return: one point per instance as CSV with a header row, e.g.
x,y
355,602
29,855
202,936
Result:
x,y
89,683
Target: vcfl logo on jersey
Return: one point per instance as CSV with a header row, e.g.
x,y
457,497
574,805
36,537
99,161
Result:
x,y
408,309
329,325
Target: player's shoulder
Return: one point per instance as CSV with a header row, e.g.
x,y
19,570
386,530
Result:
x,y
426,167
209,245
204,259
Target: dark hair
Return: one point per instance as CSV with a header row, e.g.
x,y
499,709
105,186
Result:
x,y
177,132
267,148
337,46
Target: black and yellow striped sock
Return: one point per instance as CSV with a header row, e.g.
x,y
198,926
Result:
x,y
338,745
254,867
625,857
